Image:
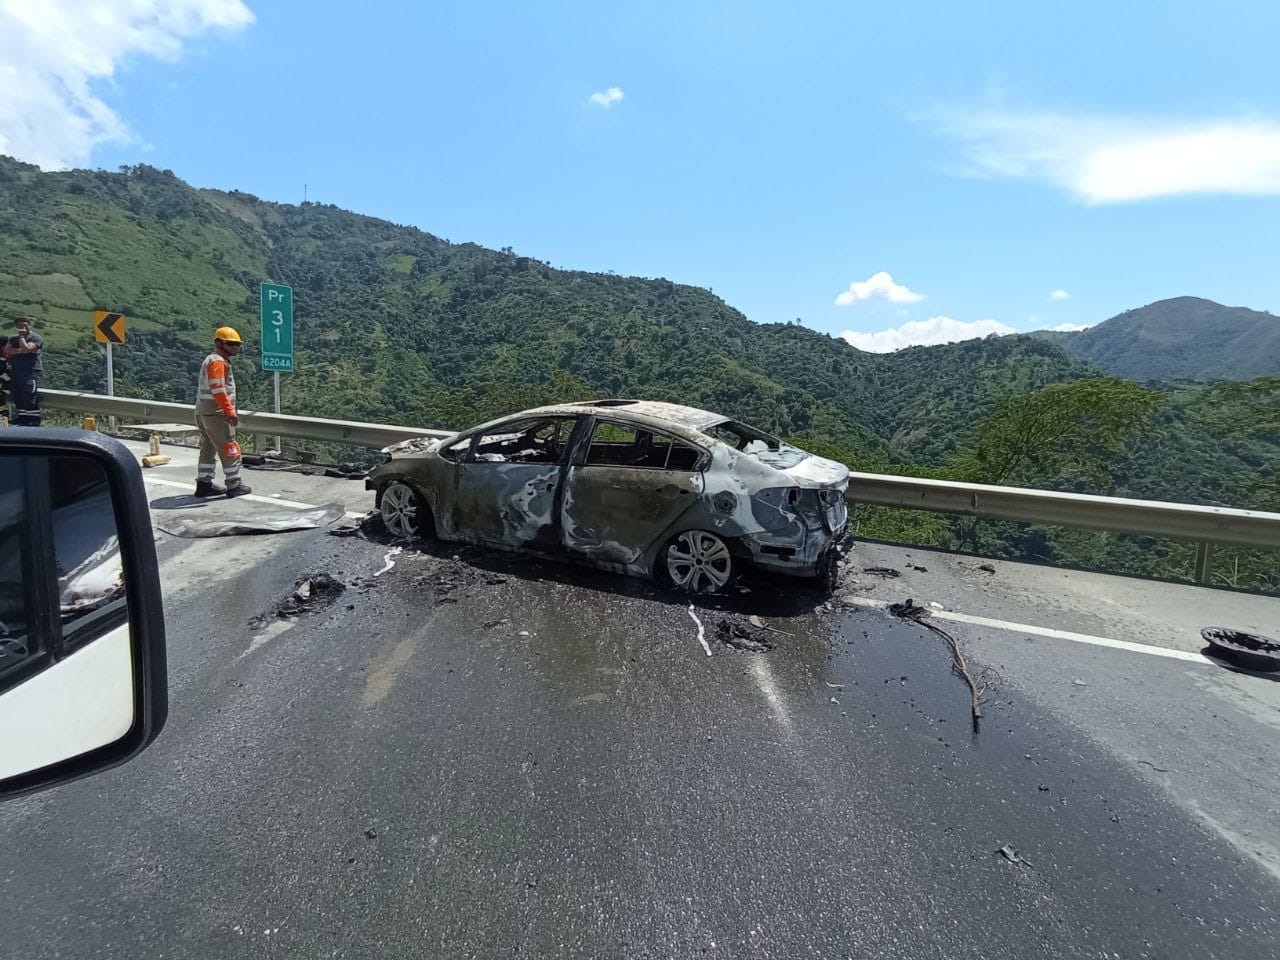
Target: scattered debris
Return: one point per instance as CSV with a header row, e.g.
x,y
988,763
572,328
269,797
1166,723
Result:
x,y
1249,650
370,523
1077,682
834,700
1012,855
371,834
387,562
909,610
490,624
741,638
702,633
759,624
986,568
887,572
315,591
280,521
346,471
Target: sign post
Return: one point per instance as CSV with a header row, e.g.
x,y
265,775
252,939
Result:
x,y
276,313
108,328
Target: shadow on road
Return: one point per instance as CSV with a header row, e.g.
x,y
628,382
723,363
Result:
x,y
180,502
1214,654
750,592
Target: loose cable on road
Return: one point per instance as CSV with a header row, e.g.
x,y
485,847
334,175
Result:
x,y
910,611
702,633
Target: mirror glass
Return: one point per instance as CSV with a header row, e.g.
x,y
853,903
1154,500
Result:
x,y
66,676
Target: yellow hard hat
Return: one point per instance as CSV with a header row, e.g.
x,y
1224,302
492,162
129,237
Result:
x,y
227,333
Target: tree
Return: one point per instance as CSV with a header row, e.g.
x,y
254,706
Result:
x,y
1064,430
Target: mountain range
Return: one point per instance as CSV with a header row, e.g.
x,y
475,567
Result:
x,y
1183,338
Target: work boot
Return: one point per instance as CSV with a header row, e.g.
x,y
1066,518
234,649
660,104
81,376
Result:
x,y
238,489
207,488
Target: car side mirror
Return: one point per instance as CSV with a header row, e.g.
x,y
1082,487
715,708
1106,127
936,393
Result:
x,y
83,680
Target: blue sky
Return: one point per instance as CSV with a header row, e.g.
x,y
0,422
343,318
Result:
x,y
983,156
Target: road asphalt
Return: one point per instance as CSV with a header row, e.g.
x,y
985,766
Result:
x,y
481,755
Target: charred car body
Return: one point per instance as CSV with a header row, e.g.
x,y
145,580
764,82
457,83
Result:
x,y
638,487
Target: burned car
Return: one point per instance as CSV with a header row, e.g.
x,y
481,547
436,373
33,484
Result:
x,y
638,487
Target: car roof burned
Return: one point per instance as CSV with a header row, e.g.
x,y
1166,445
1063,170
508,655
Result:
x,y
671,417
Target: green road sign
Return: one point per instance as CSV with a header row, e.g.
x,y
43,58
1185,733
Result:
x,y
276,312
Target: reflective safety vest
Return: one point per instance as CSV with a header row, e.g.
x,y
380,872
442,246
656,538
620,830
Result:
x,y
216,387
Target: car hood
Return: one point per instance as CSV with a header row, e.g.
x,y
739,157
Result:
x,y
762,469
816,472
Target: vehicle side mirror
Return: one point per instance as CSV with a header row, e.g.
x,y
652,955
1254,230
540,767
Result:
x,y
83,681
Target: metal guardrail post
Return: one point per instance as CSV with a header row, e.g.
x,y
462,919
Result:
x,y
1151,518
1204,561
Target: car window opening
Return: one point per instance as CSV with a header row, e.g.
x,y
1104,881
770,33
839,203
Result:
x,y
615,445
542,441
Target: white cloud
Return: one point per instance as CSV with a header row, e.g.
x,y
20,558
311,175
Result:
x,y
1059,295
1115,159
607,98
879,286
923,333
1071,327
54,51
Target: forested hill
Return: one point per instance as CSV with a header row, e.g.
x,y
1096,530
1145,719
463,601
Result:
x,y
1185,338
396,324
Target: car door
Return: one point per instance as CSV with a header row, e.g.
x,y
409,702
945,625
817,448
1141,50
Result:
x,y
626,487
506,486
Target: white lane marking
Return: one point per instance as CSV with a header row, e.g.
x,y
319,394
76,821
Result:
x,y
273,629
702,634
763,676
388,563
1088,638
251,496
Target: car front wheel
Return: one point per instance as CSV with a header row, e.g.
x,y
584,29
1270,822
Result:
x,y
403,512
699,562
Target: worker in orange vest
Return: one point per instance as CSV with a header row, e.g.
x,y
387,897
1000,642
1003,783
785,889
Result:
x,y
216,418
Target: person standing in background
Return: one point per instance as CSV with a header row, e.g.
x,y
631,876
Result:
x,y
216,419
23,354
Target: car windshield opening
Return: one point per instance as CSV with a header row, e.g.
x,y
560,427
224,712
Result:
x,y
755,443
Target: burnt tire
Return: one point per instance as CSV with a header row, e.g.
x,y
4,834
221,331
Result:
x,y
404,513
828,577
697,561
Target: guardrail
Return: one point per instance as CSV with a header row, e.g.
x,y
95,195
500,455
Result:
x,y
1205,526
251,421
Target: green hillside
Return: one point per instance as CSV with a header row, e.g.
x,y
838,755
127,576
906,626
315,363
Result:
x,y
1185,338
397,325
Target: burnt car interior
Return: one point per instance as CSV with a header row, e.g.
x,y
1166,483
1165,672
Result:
x,y
742,437
618,445
539,441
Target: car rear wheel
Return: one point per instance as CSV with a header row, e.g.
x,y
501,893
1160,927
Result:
x,y
699,562
403,512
